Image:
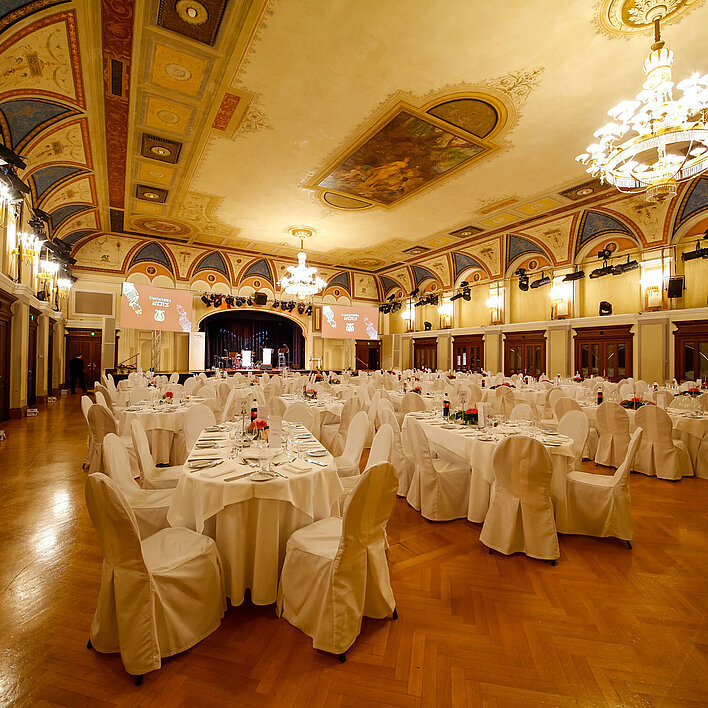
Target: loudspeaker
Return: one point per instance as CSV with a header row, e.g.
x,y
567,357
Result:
x,y
675,288
428,326
260,298
605,308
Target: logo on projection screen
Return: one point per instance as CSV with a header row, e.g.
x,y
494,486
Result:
x,y
349,322
145,307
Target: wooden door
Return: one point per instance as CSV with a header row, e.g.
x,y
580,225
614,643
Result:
x,y
525,353
88,343
691,350
425,353
368,354
5,342
468,353
32,358
604,351
50,359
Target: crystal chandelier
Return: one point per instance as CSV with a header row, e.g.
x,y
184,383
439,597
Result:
x,y
301,280
47,270
656,141
28,247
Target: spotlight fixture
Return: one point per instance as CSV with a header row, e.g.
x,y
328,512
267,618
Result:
x,y
240,302
391,297
625,267
275,304
698,252
543,280
464,284
249,302
10,157
604,254
523,279
456,296
308,310
229,300
576,275
466,295
396,306
605,308
601,272
428,326
414,292
205,299
301,308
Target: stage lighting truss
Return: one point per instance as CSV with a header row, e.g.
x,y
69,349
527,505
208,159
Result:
x,y
523,279
543,280
698,252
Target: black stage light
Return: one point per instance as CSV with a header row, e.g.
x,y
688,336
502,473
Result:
x,y
600,272
456,296
260,298
308,311
428,326
604,254
240,302
14,182
206,300
523,279
464,284
10,157
697,253
543,280
466,295
396,306
301,308
605,308
41,215
229,301
414,292
275,304
577,275
419,303
391,297
249,302
625,267
291,306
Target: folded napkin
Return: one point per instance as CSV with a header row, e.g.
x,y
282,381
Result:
x,y
296,467
215,471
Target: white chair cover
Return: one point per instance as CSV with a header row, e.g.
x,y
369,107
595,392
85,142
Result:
x,y
105,395
174,377
521,411
196,418
101,422
565,404
334,441
335,570
404,466
381,447
299,413
348,462
520,516
190,385
439,489
150,506
613,427
626,391
600,505
659,454
152,477
86,404
410,403
554,395
158,596
504,400
139,394
575,425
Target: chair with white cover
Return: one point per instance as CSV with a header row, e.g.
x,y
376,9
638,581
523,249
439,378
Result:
x,y
439,488
277,406
101,401
299,413
703,401
553,396
101,422
383,404
348,462
565,404
381,448
599,504
613,427
159,596
626,391
403,464
410,403
474,396
86,404
174,377
151,476
150,506
334,438
191,385
504,400
521,411
641,387
139,394
520,516
196,418
105,394
336,571
575,425
659,454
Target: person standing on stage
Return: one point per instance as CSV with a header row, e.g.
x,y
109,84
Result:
x,y
76,372
283,355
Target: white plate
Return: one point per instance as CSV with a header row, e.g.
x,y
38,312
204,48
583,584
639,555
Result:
x,y
260,476
317,453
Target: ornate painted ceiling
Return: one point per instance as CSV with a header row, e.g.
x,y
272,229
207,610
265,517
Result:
x,y
421,140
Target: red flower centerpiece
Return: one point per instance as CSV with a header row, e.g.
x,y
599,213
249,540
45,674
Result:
x,y
633,403
418,390
311,394
259,428
168,396
471,416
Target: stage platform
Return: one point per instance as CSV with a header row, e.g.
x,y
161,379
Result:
x,y
184,375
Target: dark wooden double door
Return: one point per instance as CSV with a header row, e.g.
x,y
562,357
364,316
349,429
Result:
x,y
525,353
425,353
368,355
468,353
691,350
88,343
604,351
5,343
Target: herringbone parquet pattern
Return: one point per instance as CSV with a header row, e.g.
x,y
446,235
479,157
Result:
x,y
606,626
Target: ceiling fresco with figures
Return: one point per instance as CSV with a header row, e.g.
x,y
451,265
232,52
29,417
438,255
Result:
x,y
423,142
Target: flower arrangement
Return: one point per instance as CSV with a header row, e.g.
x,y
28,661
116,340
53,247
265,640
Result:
x,y
319,377
506,383
418,390
259,428
451,376
310,393
577,379
695,391
634,403
168,396
468,417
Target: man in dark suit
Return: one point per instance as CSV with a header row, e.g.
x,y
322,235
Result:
x,y
76,372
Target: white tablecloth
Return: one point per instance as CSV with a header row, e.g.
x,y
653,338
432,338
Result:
x,y
465,443
318,408
432,401
252,521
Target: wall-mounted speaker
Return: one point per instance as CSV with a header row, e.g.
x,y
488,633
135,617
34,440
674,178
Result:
x,y
428,326
605,308
675,288
260,298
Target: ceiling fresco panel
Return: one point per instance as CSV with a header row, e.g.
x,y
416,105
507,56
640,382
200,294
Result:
x,y
176,70
64,144
80,190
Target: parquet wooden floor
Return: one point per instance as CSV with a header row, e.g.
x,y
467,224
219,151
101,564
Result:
x,y
606,626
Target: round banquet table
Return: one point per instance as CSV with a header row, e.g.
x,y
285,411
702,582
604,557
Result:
x,y
468,444
164,427
251,521
320,407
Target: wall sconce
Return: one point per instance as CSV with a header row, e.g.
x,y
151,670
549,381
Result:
x,y
561,296
495,303
408,314
652,282
446,311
